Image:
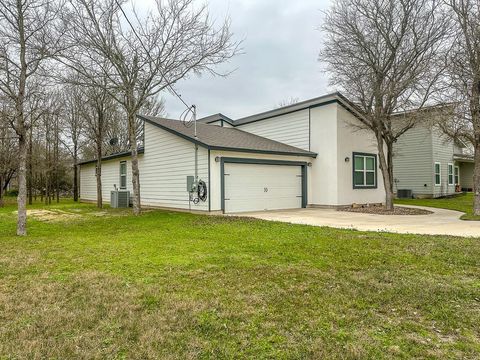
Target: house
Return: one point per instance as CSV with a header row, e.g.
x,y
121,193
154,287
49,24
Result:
x,y
304,155
430,164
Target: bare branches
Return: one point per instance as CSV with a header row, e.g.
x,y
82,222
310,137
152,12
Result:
x,y
387,56
140,59
27,41
464,82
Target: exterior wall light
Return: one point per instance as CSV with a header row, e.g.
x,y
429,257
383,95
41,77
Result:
x,y
347,159
309,164
217,158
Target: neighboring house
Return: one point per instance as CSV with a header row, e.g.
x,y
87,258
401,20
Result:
x,y
430,164
306,154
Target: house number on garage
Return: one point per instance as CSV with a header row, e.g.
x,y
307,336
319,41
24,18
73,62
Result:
x,y
265,189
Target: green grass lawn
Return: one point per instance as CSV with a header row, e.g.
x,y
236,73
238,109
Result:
x,y
105,284
463,203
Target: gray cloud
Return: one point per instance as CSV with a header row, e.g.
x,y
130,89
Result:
x,y
281,45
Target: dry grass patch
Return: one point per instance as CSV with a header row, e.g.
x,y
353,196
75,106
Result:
x,y
51,215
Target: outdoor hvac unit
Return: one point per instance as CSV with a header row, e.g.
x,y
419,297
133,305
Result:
x,y
404,194
120,199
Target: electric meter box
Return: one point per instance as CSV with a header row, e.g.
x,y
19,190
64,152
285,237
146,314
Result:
x,y
191,184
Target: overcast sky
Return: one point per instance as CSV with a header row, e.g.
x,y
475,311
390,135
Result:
x,y
280,46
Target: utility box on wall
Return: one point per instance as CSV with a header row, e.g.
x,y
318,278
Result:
x,y
190,184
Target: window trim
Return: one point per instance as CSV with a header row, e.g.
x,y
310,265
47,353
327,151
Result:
x,y
374,156
439,173
452,174
123,175
456,174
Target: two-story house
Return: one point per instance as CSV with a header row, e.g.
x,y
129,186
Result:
x,y
430,164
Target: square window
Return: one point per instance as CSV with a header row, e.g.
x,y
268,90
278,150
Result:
x,y
364,171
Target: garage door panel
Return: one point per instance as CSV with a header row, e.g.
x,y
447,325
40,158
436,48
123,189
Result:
x,y
257,187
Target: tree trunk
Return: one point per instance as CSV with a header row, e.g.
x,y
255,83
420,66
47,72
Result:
x,y
386,166
476,181
75,170
475,114
22,186
1,192
98,173
75,181
20,128
137,208
30,168
56,159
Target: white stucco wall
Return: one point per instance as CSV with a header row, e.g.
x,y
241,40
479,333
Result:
x,y
323,141
349,140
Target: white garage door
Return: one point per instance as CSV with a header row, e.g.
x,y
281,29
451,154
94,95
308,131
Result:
x,y
257,187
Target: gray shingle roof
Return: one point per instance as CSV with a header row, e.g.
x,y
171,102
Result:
x,y
226,138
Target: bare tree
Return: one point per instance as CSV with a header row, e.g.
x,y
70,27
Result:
x,y
386,57
98,115
26,42
464,85
175,40
73,131
8,153
116,135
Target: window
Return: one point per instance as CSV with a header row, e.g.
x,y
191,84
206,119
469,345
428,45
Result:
x,y
123,174
364,171
438,174
457,175
450,174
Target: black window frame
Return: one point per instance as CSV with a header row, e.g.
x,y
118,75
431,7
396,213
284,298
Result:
x,y
374,156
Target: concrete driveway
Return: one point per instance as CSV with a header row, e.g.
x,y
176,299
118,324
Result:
x,y
441,222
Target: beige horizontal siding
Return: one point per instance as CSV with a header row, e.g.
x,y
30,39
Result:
x,y
291,129
164,167
413,161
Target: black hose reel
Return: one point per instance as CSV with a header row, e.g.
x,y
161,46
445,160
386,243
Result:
x,y
201,192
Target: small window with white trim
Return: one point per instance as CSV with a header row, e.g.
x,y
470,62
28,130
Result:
x,y
450,175
123,174
438,174
457,175
364,171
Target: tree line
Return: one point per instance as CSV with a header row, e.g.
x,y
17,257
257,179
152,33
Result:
x,y
74,74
